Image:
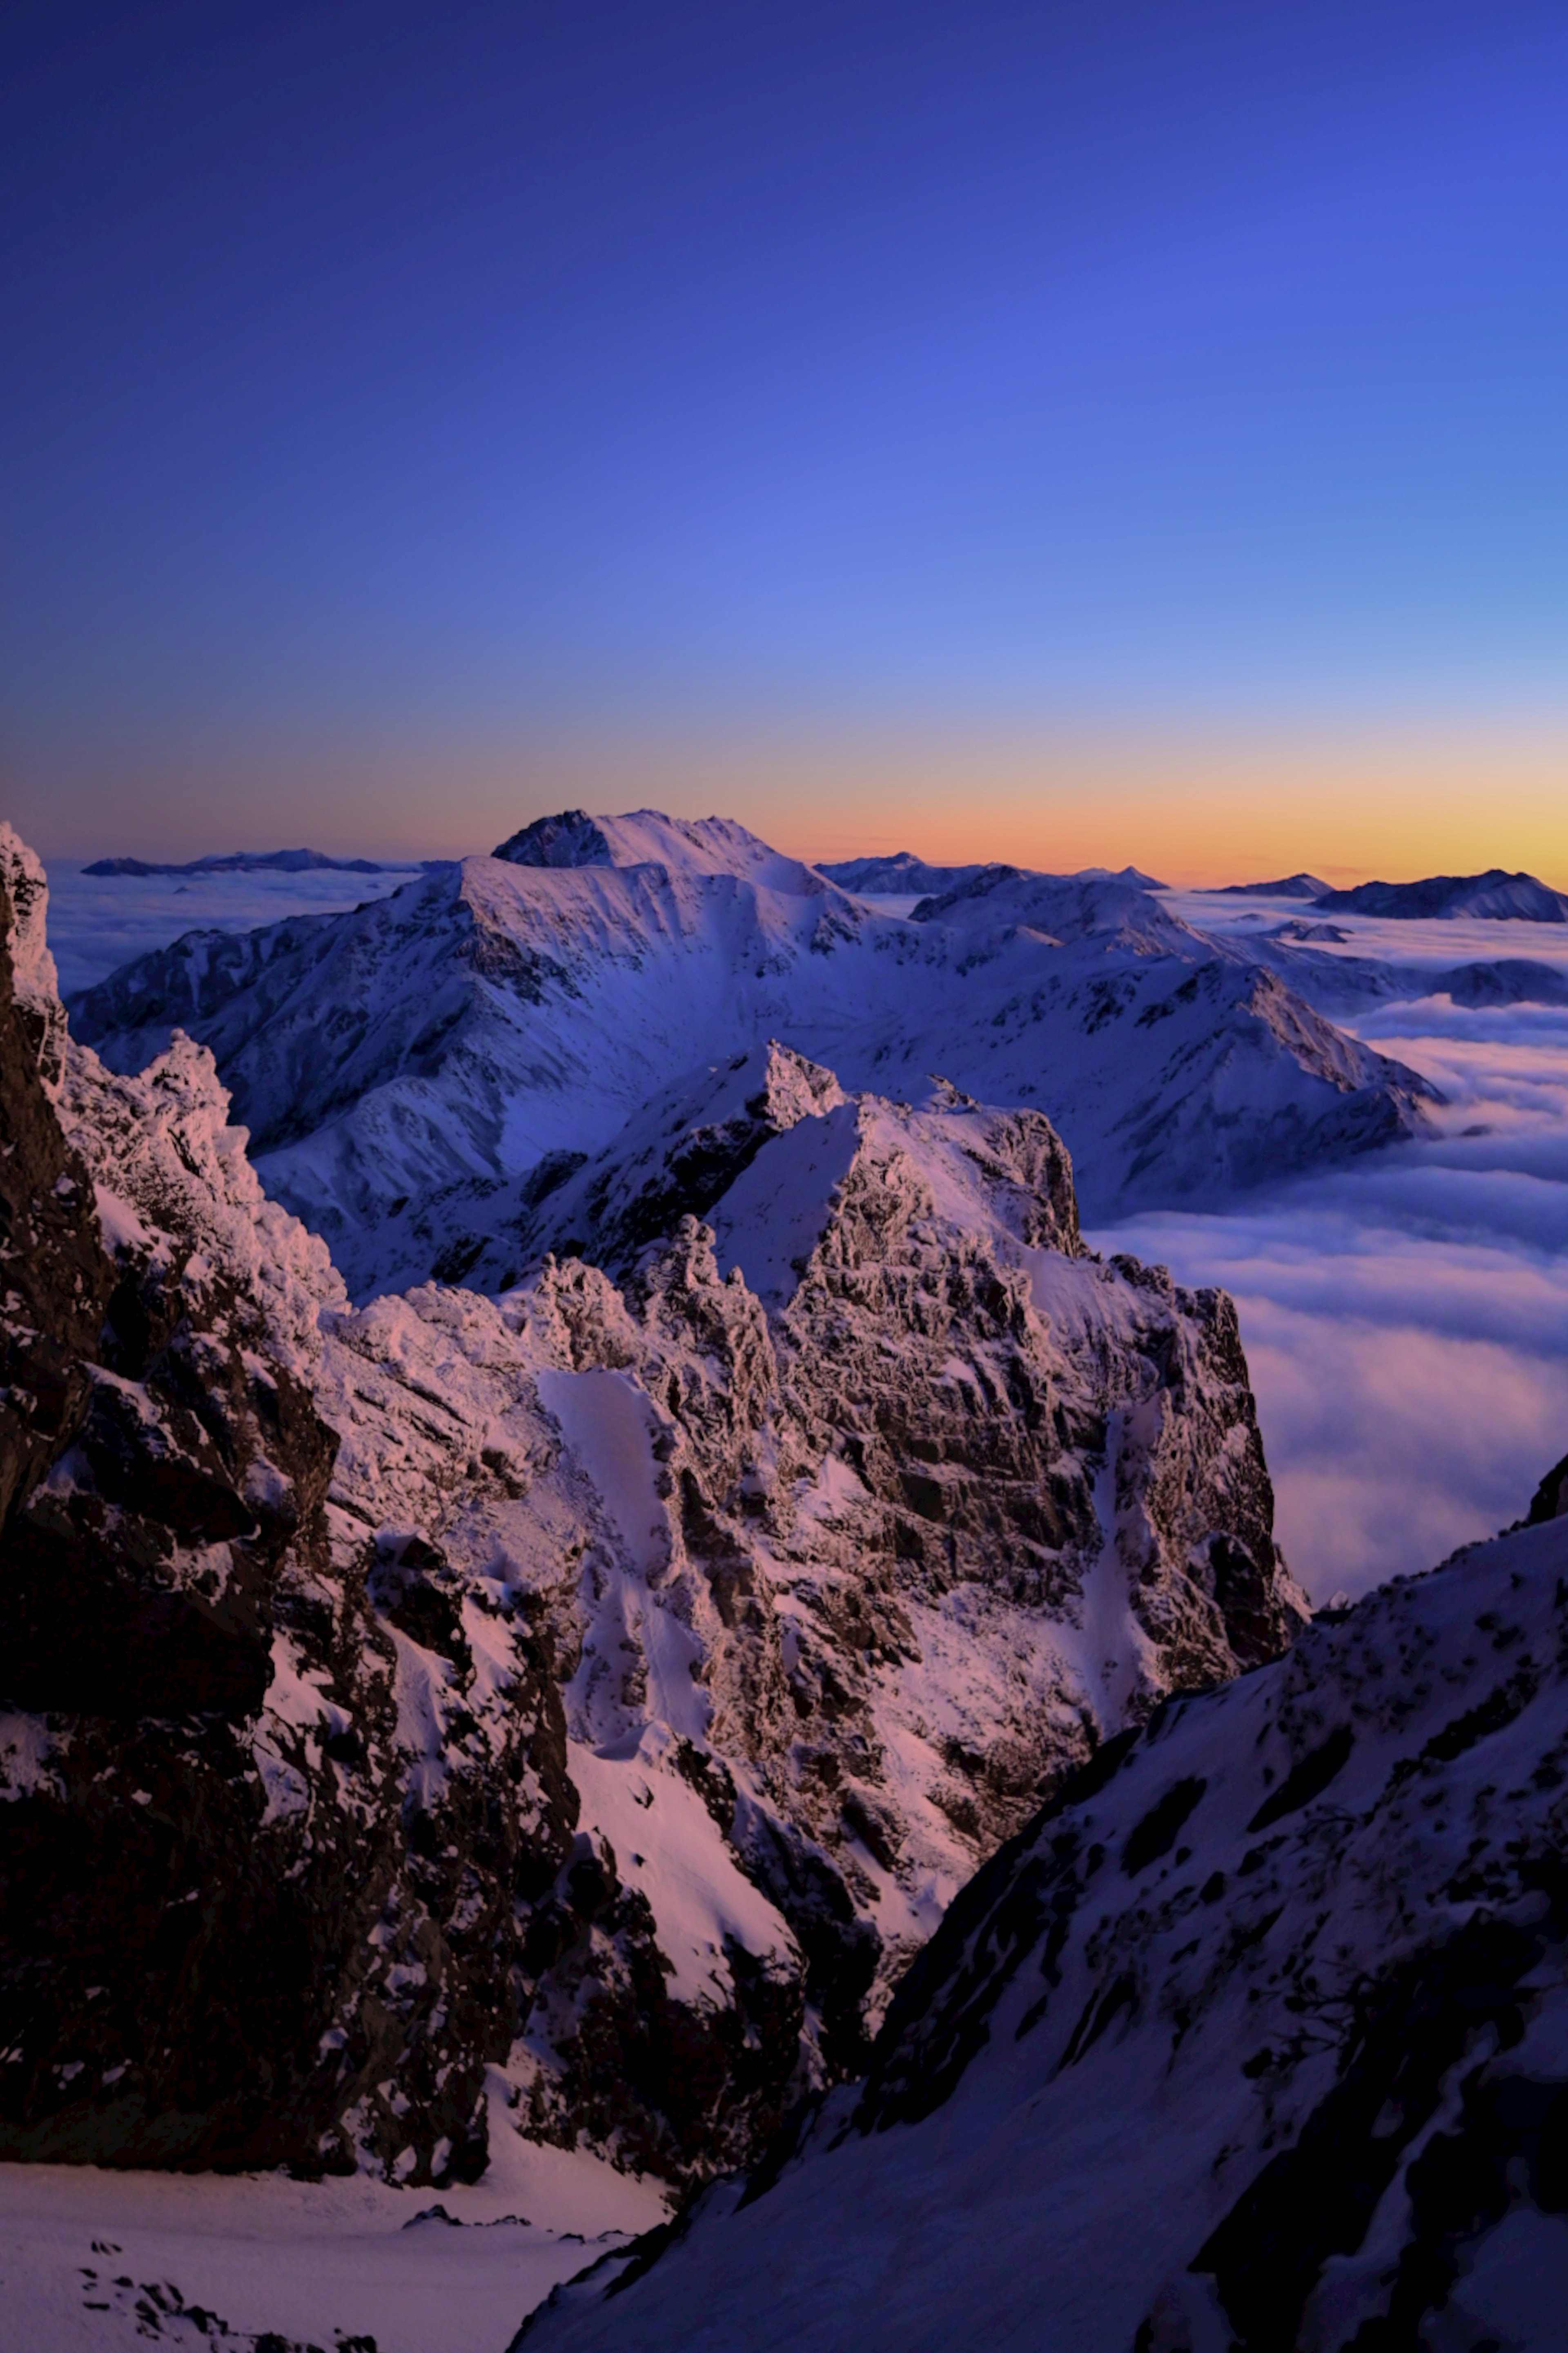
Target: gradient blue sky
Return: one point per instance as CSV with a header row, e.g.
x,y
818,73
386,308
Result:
x,y
411,411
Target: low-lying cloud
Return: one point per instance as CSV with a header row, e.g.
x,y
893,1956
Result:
x,y
1406,1319
98,921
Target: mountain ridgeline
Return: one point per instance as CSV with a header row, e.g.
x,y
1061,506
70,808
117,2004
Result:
x,y
414,1073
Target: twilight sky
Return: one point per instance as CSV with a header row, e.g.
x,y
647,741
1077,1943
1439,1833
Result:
x,y
1125,429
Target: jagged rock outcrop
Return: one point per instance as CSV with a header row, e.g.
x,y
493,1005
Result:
x,y
1255,2037
1550,1501
563,1712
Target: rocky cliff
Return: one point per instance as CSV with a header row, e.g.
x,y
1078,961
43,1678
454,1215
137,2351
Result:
x,y
565,1711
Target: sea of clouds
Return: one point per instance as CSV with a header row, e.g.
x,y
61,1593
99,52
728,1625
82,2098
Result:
x,y
98,921
1406,1319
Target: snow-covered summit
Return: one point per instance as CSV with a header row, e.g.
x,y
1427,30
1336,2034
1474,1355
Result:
x,y
463,1035
1118,908
708,845
895,874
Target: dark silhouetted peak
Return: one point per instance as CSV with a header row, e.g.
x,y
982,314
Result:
x,y
1289,886
571,839
244,862
1496,894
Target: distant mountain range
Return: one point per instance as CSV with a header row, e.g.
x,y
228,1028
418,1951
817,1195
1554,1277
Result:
x,y
251,861
901,875
412,1072
1496,896
1289,886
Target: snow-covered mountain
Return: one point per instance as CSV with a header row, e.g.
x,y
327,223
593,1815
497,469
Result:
x,y
1289,886
1255,2037
467,1031
563,1712
895,874
1502,896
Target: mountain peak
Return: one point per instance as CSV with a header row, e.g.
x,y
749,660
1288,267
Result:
x,y
687,845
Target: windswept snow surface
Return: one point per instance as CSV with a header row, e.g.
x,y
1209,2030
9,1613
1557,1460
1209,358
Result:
x,y
91,2261
1259,2041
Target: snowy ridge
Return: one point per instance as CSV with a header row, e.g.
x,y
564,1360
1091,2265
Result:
x,y
1257,2038
397,1061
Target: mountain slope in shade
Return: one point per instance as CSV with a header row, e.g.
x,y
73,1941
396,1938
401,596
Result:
x,y
564,1713
1257,2038
471,1029
1496,893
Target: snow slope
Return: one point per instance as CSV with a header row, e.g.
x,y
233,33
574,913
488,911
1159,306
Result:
x,y
1257,2038
94,2262
477,1025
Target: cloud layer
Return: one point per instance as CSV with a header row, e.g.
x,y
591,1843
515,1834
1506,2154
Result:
x,y
98,921
1407,1320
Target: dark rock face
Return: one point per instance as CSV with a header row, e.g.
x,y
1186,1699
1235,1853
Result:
x,y
570,839
57,1280
191,1958
1549,1500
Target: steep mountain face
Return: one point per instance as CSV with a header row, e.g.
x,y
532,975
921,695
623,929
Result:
x,y
563,1712
1255,2037
470,1030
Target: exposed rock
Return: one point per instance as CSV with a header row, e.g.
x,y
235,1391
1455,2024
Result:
x,y
567,1711
1549,1500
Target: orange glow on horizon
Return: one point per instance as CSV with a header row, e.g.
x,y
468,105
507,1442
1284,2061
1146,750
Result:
x,y
1191,809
